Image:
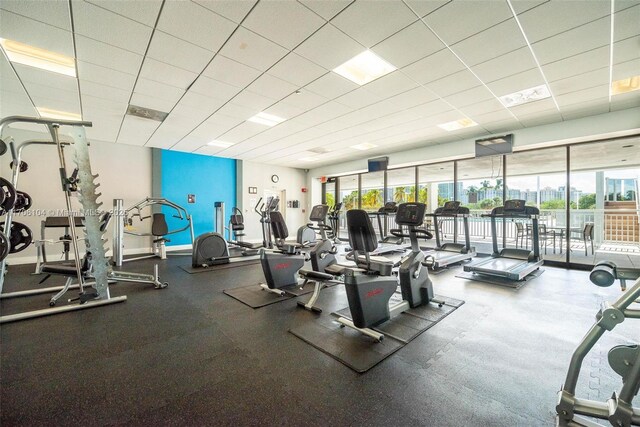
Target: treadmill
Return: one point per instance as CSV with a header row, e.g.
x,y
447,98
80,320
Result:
x,y
450,253
388,243
508,263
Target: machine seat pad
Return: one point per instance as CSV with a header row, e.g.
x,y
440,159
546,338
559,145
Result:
x,y
311,274
382,268
336,269
63,270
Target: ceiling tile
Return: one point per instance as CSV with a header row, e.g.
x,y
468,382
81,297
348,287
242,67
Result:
x,y
253,50
483,107
458,82
543,105
625,100
231,72
493,117
578,64
108,56
166,136
423,8
539,119
371,22
626,69
305,100
167,74
172,50
326,9
103,105
599,93
242,132
190,143
253,100
295,69
187,116
626,23
238,111
213,88
282,109
285,23
105,26
585,109
210,130
272,87
522,6
136,130
520,81
143,11
44,95
434,67
470,97
104,92
206,104
54,13
331,85
158,90
495,69
411,98
324,113
470,17
580,82
103,130
391,84
573,42
36,75
626,50
329,47
502,38
105,76
152,102
34,33
198,25
409,45
555,17
358,98
234,10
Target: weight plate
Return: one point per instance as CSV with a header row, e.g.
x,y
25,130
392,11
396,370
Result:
x,y
4,247
23,202
20,237
9,196
3,147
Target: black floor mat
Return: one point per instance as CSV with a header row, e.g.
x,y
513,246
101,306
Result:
x,y
501,281
360,352
194,270
255,297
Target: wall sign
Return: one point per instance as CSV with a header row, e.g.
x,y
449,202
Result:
x,y
253,190
191,198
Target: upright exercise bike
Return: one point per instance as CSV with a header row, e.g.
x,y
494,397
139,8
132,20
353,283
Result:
x,y
370,286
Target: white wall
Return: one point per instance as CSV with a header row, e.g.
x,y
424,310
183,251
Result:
x,y
251,174
618,123
125,172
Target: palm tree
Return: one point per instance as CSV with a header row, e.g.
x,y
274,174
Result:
x,y
372,199
422,195
399,194
498,186
411,196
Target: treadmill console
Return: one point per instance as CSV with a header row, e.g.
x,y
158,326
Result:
x,y
451,207
514,206
389,207
319,213
411,214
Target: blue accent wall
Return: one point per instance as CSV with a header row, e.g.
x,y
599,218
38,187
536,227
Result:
x,y
211,179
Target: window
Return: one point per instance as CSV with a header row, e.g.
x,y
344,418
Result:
x,y
401,185
372,191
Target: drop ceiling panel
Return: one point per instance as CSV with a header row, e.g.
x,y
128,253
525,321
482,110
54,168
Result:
x,y
167,74
242,132
231,72
305,100
555,17
107,56
326,9
285,23
34,33
455,83
36,75
103,129
68,105
600,93
234,10
329,47
296,70
517,82
238,111
506,65
470,17
324,113
136,130
408,45
165,136
590,36
626,23
170,94
105,76
391,84
204,103
172,50
626,50
193,23
625,100
434,67
253,100
430,108
413,97
143,11
91,103
211,130
544,105
331,85
282,109
580,82
507,125
252,49
494,116
423,8
488,106
214,88
585,109
626,69
190,143
358,98
540,119
272,87
470,97
105,92
54,13
371,22
581,63
44,92
503,38
111,28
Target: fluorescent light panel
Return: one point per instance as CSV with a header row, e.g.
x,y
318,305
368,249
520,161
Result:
x,y
308,159
524,96
223,144
266,119
625,85
364,146
48,113
457,125
364,68
25,54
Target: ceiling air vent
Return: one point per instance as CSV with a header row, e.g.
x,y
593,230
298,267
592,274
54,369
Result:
x,y
146,113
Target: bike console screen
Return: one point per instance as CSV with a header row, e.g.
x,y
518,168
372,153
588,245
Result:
x,y
411,214
319,213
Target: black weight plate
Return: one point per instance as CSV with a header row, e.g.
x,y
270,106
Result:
x,y
4,247
9,197
20,237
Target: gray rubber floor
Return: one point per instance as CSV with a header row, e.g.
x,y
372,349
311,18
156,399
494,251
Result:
x,y
190,355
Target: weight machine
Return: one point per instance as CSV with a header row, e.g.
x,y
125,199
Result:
x,y
159,228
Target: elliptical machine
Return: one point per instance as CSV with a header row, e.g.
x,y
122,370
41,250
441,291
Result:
x,y
334,222
370,286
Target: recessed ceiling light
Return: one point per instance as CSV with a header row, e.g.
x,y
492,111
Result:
x,y
48,113
21,53
266,119
625,85
457,124
364,68
308,159
524,96
364,146
223,144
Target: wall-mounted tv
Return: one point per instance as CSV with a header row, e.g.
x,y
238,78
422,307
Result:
x,y
496,145
378,164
